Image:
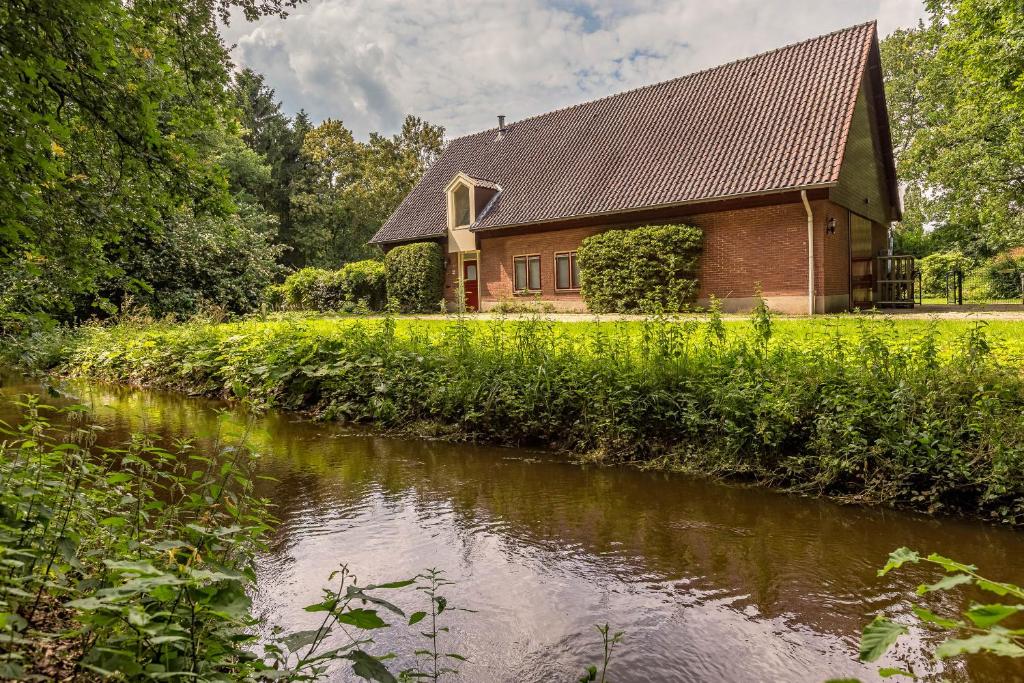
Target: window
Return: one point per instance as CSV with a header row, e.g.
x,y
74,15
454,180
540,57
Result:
x,y
526,273
461,200
567,273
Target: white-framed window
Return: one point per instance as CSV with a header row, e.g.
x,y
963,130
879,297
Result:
x,y
567,273
460,200
526,273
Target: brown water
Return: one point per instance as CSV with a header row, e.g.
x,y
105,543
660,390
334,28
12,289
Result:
x,y
709,582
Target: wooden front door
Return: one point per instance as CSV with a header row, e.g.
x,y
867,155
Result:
x,y
470,276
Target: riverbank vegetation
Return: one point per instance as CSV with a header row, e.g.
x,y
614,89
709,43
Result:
x,y
135,563
924,416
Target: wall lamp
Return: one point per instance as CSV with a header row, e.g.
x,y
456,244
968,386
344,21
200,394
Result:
x,y
830,225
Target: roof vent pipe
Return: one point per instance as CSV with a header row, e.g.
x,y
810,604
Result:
x,y
501,126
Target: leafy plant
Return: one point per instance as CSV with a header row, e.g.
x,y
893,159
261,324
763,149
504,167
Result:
x,y
864,409
415,276
438,663
648,269
981,628
299,656
609,640
315,289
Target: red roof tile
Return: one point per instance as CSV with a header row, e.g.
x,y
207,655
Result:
x,y
773,122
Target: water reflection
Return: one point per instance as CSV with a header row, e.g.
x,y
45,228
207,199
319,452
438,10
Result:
x,y
711,583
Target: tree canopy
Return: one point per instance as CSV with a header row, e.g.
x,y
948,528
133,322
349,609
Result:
x,y
955,89
135,162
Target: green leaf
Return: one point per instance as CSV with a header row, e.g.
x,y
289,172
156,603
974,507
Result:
x,y
945,583
362,618
300,639
393,584
897,558
368,667
114,522
932,618
987,615
993,643
889,672
416,617
878,637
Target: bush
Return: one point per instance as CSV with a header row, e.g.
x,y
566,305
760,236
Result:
x,y
1003,276
648,269
877,414
936,267
316,289
415,277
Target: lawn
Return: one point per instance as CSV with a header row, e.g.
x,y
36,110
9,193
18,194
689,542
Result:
x,y
1005,336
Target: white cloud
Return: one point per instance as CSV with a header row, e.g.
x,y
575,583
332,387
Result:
x,y
459,64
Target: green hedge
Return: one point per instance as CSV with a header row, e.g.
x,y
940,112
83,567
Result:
x,y
316,289
648,269
415,277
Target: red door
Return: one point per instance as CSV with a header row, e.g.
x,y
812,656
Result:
x,y
469,278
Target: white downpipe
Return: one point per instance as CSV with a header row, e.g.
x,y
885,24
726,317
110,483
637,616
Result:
x,y
810,253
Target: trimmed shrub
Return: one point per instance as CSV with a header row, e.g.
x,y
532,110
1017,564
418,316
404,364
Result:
x,y
415,277
316,289
648,269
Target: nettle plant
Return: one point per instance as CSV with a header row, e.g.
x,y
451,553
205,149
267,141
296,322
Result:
x,y
981,628
133,563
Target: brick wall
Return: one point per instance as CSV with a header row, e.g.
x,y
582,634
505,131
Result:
x,y
742,247
498,250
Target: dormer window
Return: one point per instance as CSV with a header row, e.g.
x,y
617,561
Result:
x,y
461,206
468,200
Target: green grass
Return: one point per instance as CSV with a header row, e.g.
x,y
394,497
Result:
x,y
1006,336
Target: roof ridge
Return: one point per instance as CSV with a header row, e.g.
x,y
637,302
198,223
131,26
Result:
x,y
692,74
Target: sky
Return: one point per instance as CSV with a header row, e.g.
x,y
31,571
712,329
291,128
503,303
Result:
x,y
460,64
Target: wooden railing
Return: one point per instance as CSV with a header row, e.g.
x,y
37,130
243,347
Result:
x,y
896,281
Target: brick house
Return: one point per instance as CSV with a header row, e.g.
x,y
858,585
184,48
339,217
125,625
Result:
x,y
784,159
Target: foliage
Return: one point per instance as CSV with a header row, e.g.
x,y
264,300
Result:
x,y
315,289
439,663
609,640
861,409
521,305
415,277
1004,275
647,269
936,268
347,189
275,138
149,549
133,563
955,89
979,628
111,112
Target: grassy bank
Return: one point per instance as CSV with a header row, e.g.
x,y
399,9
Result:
x,y
923,415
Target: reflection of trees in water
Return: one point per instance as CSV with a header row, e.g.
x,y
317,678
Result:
x,y
808,561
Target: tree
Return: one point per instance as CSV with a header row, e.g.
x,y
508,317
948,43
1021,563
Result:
x,y
106,112
270,133
345,189
955,86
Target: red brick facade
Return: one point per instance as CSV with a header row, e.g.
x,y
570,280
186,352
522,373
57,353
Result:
x,y
744,248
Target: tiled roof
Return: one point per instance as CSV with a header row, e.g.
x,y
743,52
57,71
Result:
x,y
776,121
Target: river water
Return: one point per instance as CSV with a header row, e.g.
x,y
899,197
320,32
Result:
x,y
709,582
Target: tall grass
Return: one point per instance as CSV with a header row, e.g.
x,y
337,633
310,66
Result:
x,y
865,411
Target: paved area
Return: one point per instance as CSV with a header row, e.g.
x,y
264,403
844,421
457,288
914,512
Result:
x,y
926,312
